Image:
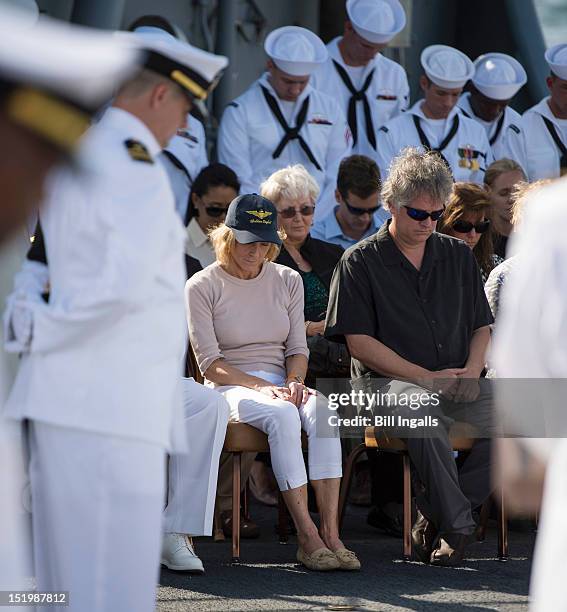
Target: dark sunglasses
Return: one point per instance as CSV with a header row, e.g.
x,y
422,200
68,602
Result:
x,y
355,210
216,211
421,215
304,211
464,227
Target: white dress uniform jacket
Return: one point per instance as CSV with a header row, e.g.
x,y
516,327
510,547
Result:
x,y
387,93
106,350
467,152
544,155
183,158
249,134
504,134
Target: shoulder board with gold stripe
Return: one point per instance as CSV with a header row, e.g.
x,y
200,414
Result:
x,y
138,151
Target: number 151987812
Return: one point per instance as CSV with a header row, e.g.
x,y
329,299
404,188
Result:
x,y
36,598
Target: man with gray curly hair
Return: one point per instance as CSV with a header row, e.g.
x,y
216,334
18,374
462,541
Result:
x,y
409,303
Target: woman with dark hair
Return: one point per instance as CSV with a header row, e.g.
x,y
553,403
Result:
x,y
467,217
212,191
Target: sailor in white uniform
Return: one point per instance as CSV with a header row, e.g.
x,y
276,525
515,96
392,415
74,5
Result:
x,y
436,123
497,79
183,158
530,346
100,375
46,100
545,124
371,88
282,120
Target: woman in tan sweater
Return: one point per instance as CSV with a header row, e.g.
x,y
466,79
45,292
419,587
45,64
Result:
x,y
248,333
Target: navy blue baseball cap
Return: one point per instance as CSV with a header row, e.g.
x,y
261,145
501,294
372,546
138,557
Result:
x,y
253,218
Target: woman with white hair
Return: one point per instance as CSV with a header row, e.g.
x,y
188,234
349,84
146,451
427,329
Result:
x,y
247,330
294,192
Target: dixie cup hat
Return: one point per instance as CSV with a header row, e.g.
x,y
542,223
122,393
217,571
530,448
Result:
x,y
253,218
377,21
447,67
295,50
556,57
498,76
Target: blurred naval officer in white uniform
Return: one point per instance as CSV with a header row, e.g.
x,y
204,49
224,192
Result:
x,y
52,78
436,123
100,375
531,343
371,88
281,120
545,124
497,79
186,153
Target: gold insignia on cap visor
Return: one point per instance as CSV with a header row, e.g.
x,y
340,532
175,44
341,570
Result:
x,y
189,84
54,120
260,214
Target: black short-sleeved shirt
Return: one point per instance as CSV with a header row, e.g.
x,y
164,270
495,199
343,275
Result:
x,y
426,316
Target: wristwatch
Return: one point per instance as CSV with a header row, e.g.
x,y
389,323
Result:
x,y
297,379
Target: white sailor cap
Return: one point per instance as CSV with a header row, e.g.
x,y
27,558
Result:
x,y
377,21
498,76
446,67
53,76
556,57
194,70
294,50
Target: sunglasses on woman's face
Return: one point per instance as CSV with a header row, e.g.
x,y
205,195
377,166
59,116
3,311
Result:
x,y
304,211
355,210
421,215
216,211
464,227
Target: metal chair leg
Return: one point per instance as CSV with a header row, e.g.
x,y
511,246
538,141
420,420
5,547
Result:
x,y
502,528
483,522
407,507
236,461
283,530
346,481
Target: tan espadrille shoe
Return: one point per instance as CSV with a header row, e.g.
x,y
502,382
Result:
x,y
320,560
347,559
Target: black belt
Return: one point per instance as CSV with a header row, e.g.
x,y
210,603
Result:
x,y
562,148
290,133
425,141
358,96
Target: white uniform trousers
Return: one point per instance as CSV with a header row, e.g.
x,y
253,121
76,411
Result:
x,y
547,584
193,476
97,505
283,421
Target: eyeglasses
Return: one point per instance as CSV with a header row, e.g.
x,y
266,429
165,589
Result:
x,y
464,227
216,211
304,211
421,215
355,210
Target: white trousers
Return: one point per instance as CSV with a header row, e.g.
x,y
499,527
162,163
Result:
x,y
97,511
549,573
193,476
283,421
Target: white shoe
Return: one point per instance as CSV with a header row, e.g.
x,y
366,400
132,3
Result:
x,y
177,553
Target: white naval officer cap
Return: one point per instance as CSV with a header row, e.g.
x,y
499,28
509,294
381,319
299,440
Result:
x,y
295,50
194,70
54,76
446,67
498,76
556,57
377,21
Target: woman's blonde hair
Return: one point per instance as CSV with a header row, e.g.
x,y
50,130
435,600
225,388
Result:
x,y
224,240
520,195
501,166
290,183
